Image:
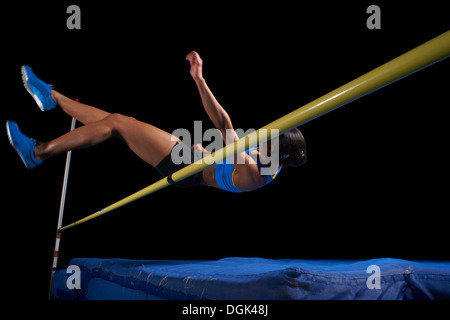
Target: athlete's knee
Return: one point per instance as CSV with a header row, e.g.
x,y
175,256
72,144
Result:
x,y
118,117
118,121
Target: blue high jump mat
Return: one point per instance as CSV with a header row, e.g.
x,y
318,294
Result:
x,y
252,279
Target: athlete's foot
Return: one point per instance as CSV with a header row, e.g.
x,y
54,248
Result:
x,y
38,89
22,144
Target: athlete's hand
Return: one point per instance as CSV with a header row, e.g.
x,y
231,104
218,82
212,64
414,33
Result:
x,y
196,65
199,148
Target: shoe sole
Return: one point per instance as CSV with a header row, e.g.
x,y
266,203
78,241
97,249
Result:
x,y
25,83
12,144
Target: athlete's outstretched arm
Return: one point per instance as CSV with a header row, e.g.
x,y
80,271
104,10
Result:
x,y
247,172
216,113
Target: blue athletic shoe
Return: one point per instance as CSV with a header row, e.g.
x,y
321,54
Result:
x,y
39,90
23,145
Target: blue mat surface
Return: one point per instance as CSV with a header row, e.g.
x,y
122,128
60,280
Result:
x,y
254,279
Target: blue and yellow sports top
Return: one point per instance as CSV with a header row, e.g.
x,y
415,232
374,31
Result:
x,y
224,172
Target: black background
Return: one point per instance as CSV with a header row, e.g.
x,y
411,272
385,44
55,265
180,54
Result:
x,y
376,182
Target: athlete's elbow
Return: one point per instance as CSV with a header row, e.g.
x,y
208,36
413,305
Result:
x,y
226,128
224,122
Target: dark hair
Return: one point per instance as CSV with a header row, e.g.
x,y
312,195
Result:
x,y
292,148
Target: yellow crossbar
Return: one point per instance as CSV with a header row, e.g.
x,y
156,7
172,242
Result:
x,y
426,54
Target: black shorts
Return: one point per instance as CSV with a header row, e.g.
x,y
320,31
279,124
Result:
x,y
166,167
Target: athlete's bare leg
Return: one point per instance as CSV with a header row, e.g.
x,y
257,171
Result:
x,y
150,143
82,112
